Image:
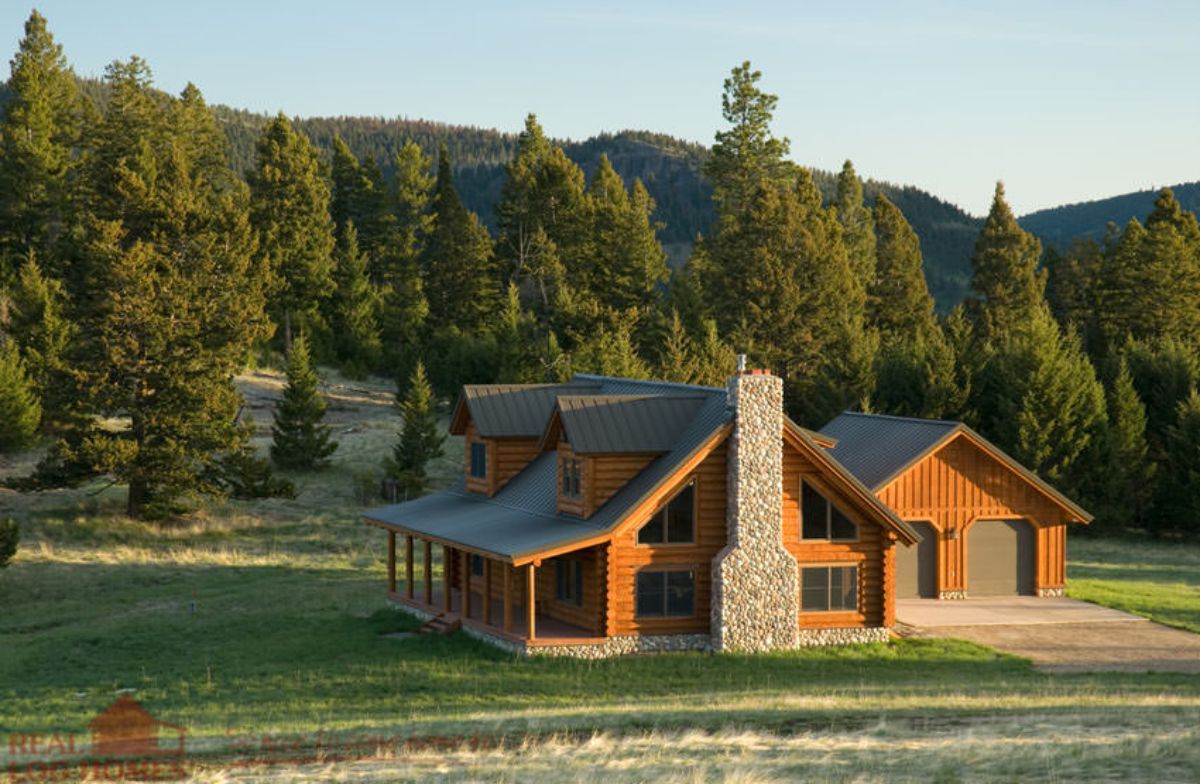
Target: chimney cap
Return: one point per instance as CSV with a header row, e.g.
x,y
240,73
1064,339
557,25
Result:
x,y
741,363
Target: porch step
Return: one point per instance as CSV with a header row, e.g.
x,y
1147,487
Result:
x,y
440,624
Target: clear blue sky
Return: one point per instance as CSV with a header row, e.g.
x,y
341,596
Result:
x,y
1064,101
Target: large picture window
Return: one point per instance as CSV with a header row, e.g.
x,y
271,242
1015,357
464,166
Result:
x,y
479,460
828,588
571,472
675,523
668,594
821,519
568,573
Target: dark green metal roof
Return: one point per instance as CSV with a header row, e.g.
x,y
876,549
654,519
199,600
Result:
x,y
606,424
521,519
517,410
876,448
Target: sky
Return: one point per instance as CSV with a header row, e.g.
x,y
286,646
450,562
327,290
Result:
x,y
1064,101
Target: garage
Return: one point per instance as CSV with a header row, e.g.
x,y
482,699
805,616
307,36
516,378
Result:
x,y
916,566
1001,558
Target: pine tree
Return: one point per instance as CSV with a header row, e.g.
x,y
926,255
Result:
x,y
176,300
299,440
39,326
289,208
746,154
1127,435
1071,287
543,216
352,318
1039,399
918,378
407,224
627,263
461,282
610,352
1007,287
528,353
676,356
900,306
858,229
1164,373
714,360
420,437
1178,495
39,134
20,411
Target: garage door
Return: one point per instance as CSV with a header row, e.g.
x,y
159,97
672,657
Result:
x,y
916,566
1000,558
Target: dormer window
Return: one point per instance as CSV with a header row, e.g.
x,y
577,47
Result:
x,y
821,520
479,460
675,522
572,470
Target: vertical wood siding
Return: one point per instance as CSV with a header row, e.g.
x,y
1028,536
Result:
x,y
961,483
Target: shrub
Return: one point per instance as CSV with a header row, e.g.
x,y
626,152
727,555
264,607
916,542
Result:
x,y
10,535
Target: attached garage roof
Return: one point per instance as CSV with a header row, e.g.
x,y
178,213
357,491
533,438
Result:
x,y
877,448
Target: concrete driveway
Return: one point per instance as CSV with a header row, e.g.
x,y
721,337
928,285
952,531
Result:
x,y
1057,634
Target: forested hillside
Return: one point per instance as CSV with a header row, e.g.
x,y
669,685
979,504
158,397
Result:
x,y
1057,226
671,169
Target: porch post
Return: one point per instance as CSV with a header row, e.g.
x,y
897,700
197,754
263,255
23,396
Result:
x,y
466,584
487,592
531,598
391,561
447,584
408,566
428,571
507,598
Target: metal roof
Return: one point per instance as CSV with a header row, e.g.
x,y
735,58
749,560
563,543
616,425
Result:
x,y
875,448
878,448
521,518
599,424
517,410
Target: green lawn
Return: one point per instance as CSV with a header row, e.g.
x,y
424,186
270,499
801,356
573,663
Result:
x,y
1160,580
266,617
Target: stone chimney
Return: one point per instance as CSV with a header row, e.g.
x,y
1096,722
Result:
x,y
756,581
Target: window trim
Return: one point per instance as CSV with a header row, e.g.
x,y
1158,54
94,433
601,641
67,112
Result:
x,y
828,567
480,448
693,483
574,465
666,569
829,507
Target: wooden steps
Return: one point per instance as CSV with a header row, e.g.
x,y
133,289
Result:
x,y
440,624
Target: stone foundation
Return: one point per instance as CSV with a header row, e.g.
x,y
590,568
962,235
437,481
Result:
x,y
1052,592
756,581
814,638
952,595
622,646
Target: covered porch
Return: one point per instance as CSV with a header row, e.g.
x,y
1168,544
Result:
x,y
486,594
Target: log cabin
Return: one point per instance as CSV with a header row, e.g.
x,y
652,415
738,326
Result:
x,y
604,516
988,525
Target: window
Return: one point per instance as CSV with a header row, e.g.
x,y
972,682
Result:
x,y
568,574
675,522
571,471
666,594
479,460
477,565
828,588
820,519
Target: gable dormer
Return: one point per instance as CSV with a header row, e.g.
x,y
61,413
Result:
x,y
502,427
604,441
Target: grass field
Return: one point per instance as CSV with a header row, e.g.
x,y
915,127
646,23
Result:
x,y
265,618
